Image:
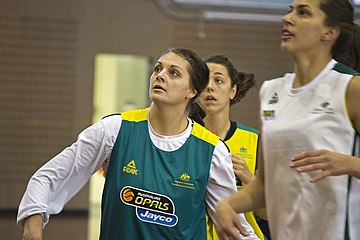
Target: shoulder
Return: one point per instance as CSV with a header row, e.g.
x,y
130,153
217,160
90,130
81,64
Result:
x,y
132,115
352,99
221,150
277,81
111,123
246,128
354,88
344,69
204,134
244,137
278,78
135,115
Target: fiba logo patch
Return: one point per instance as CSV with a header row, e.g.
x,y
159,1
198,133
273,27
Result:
x,y
269,115
128,195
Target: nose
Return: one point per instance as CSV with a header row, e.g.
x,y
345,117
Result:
x,y
210,87
160,76
287,18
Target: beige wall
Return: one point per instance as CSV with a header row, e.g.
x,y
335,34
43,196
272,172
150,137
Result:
x,y
47,55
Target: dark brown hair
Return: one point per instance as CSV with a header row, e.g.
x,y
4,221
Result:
x,y
199,78
243,81
340,13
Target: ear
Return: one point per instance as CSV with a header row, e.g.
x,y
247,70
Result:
x,y
332,33
191,94
233,92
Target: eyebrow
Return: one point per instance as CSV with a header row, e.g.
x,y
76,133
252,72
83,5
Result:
x,y
176,66
218,73
172,65
299,6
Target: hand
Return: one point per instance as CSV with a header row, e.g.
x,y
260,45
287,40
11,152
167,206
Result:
x,y
241,169
228,222
331,163
33,228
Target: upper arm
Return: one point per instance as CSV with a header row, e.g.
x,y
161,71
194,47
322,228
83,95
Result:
x,y
260,157
352,101
221,181
260,170
56,182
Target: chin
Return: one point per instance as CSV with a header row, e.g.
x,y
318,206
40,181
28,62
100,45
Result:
x,y
284,46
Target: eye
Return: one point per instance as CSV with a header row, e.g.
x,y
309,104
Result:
x,y
289,10
174,73
218,81
157,69
303,12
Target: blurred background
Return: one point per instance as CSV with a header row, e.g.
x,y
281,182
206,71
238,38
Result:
x,y
65,64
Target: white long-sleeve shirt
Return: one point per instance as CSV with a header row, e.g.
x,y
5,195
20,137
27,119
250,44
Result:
x,y
55,183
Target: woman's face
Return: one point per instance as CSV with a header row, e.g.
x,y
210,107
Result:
x,y
303,27
170,81
218,93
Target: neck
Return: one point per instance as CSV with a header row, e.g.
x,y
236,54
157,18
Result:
x,y
167,121
218,124
306,69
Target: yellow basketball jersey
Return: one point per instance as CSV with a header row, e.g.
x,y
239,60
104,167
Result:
x,y
243,141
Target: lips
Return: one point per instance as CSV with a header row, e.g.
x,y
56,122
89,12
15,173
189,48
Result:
x,y
210,98
286,34
158,87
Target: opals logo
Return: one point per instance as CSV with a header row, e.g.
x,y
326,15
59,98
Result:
x,y
128,195
149,206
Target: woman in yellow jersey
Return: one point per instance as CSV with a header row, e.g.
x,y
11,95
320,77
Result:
x,y
226,87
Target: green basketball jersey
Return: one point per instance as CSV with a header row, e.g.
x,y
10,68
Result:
x,y
154,194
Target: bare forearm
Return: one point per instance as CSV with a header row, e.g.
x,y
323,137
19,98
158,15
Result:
x,y
261,213
248,198
33,227
354,169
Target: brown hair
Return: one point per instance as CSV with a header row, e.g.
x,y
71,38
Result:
x,y
199,78
340,13
243,81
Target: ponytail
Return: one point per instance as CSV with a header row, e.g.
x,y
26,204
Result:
x,y
244,82
197,113
340,14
